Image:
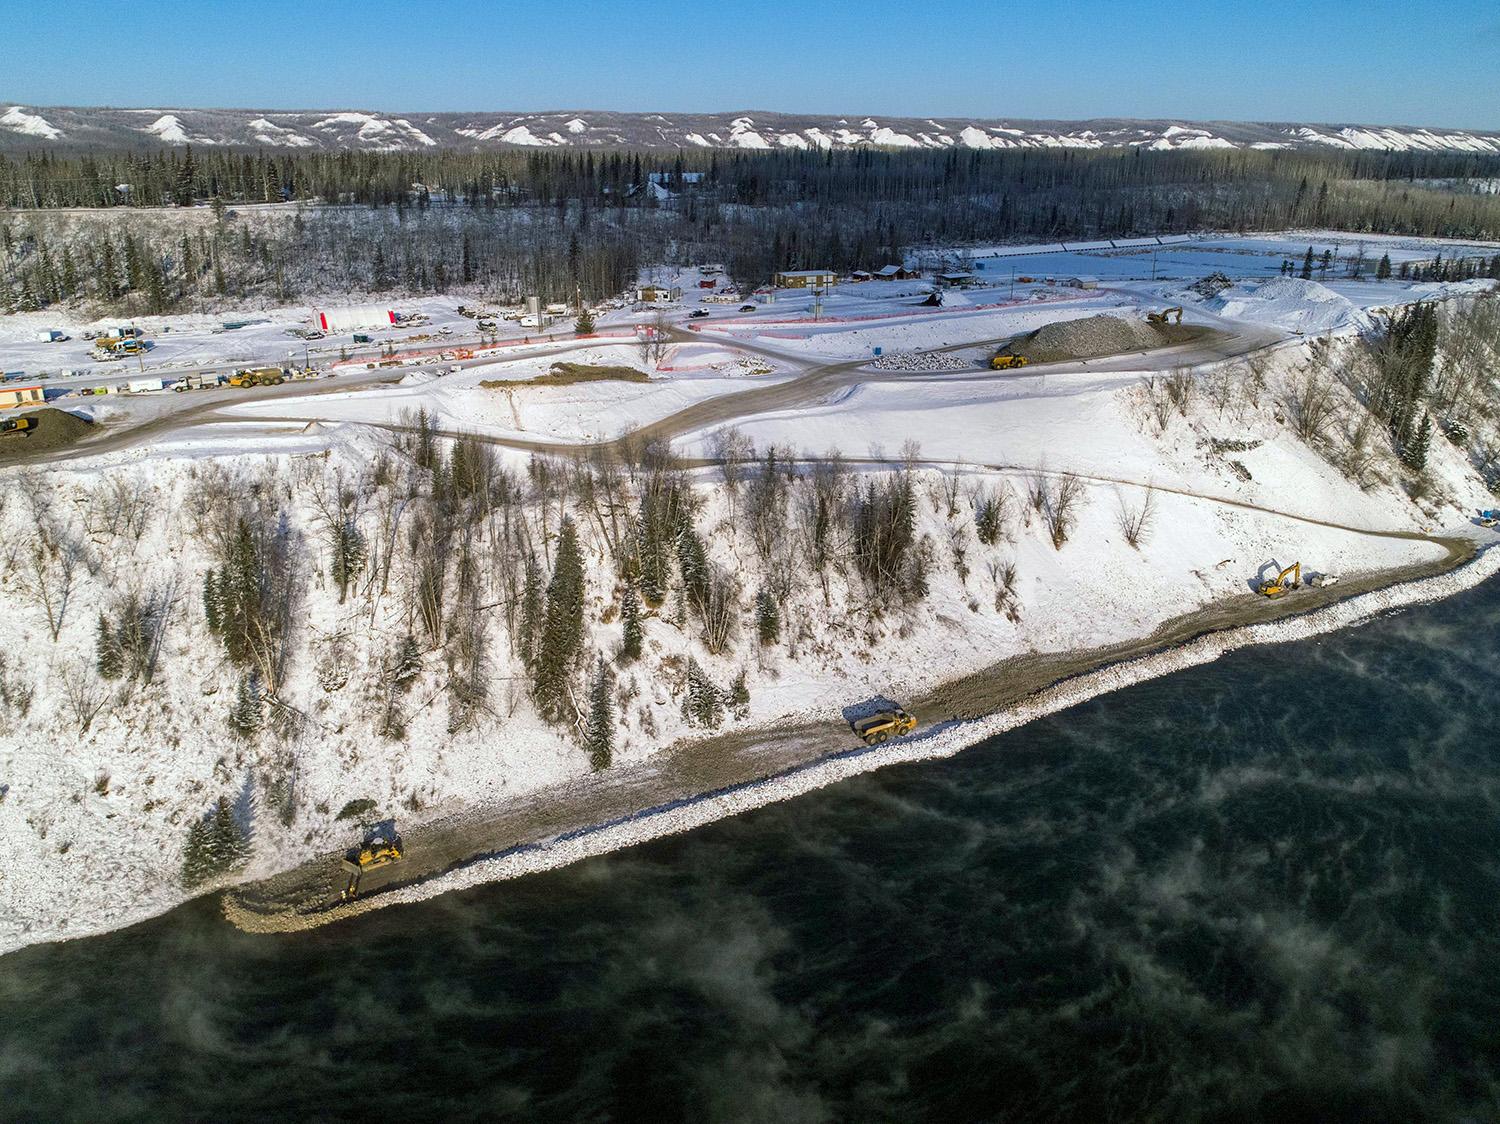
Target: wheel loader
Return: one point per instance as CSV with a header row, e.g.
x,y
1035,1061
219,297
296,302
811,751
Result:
x,y
375,852
878,727
1004,362
1279,585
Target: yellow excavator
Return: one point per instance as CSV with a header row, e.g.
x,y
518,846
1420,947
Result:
x,y
23,426
375,852
1004,362
878,727
1279,585
1159,318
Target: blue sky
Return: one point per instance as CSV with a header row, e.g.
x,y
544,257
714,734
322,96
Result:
x,y
1425,62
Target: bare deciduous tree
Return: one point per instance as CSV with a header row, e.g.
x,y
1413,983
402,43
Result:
x,y
1312,404
48,575
1062,499
1136,519
84,695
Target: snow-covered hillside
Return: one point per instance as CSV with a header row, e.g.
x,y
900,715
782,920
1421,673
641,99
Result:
x,y
62,126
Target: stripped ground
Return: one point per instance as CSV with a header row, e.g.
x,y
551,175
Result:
x,y
682,773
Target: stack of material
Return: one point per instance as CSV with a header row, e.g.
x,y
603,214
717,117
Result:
x,y
1090,336
919,361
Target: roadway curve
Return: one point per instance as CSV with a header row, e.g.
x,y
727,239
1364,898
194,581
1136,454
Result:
x,y
818,384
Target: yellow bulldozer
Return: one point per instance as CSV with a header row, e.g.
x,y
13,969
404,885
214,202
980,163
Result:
x,y
878,727
1173,314
375,852
1005,362
1279,585
258,376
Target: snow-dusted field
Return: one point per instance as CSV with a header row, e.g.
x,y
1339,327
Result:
x,y
92,821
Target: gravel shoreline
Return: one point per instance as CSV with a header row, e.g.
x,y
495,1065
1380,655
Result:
x,y
947,741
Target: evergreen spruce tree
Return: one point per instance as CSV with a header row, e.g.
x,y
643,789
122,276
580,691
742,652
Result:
x,y
1383,270
599,732
108,659
584,325
703,702
692,557
245,717
652,553
348,555
630,621
229,845
408,664
213,602
767,617
1307,265
739,695
562,628
197,858
531,610
1415,452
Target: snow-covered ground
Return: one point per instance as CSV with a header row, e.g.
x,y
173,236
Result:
x,y
92,821
590,411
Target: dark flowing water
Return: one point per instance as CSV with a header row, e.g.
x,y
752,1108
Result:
x,y
1267,889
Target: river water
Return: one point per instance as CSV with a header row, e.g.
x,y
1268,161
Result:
x,y
1265,889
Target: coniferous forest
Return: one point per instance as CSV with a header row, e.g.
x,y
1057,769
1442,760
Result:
x,y
163,231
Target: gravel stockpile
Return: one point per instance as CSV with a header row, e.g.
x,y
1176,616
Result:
x,y
55,429
919,361
1088,337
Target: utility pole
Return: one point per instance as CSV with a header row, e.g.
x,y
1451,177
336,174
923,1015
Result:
x,y
1012,282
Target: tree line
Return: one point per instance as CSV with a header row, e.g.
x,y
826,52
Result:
x,y
564,224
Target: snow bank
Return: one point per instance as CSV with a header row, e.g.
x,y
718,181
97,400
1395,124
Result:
x,y
1290,303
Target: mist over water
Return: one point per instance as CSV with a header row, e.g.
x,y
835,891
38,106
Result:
x,y
1265,889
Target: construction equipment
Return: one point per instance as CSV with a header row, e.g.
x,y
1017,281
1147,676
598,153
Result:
x,y
1005,362
1277,586
1159,318
878,727
116,347
1490,517
375,852
23,426
258,376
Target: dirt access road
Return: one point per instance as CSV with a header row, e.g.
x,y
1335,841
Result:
x,y
688,771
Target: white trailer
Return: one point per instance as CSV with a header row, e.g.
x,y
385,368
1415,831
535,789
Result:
x,y
145,386
354,319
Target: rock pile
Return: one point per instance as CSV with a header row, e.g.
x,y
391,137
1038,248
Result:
x,y
1211,286
919,361
1090,336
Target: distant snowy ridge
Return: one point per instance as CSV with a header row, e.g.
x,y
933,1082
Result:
x,y
23,127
